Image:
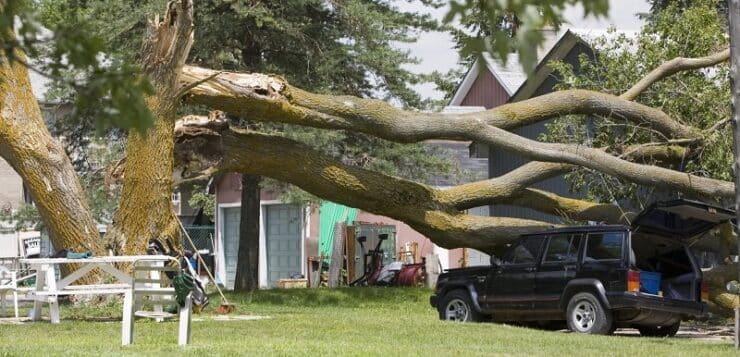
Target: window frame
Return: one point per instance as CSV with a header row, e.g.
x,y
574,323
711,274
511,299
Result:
x,y
577,247
584,254
537,258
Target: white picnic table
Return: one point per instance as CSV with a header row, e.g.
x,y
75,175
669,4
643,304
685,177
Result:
x,y
48,287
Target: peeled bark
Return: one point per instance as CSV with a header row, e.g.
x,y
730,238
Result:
x,y
41,161
145,211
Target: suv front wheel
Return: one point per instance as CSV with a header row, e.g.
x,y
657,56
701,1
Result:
x,y
457,306
586,314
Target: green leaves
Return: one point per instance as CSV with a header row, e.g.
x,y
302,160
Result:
x,y
698,98
501,27
106,91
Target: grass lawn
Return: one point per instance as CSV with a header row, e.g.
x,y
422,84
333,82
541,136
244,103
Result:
x,y
351,321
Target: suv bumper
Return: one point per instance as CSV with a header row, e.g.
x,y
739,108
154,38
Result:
x,y
433,300
657,304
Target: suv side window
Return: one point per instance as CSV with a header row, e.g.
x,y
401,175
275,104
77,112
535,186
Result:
x,y
563,248
524,252
604,246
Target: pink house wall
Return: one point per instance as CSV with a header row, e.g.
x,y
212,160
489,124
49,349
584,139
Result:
x,y
404,234
228,191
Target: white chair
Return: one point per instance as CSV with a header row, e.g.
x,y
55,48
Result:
x,y
152,287
8,284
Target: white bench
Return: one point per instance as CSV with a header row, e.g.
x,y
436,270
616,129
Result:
x,y
48,287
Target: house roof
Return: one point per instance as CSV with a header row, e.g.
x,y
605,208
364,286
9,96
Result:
x,y
513,78
509,75
560,50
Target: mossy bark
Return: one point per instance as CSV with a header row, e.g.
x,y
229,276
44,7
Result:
x,y
41,161
145,211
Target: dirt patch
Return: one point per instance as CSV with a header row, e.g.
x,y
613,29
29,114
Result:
x,y
703,333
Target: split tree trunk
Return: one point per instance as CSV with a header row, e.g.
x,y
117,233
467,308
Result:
x,y
247,268
145,211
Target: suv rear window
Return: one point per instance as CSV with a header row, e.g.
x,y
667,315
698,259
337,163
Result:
x,y
563,248
604,246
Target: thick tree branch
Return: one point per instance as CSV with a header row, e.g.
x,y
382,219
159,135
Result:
x,y
672,67
204,143
599,160
271,98
476,194
569,208
210,143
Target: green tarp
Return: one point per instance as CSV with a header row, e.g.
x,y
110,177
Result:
x,y
329,214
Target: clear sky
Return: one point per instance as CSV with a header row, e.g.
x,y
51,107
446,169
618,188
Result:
x,y
436,53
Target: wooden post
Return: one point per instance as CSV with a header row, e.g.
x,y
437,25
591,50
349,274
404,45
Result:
x,y
337,255
349,244
734,13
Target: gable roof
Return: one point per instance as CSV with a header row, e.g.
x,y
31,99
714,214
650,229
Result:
x,y
510,75
560,50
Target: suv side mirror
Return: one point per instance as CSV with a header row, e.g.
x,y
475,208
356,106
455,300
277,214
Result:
x,y
495,261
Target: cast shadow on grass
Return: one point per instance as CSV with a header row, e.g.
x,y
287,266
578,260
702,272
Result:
x,y
340,297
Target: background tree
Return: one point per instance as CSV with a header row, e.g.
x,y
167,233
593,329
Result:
x,y
697,98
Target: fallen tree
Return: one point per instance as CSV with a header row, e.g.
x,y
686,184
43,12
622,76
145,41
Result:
x,y
202,146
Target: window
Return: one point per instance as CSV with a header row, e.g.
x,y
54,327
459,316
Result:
x,y
604,246
563,248
525,252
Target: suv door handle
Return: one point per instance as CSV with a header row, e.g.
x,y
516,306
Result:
x,y
569,267
529,269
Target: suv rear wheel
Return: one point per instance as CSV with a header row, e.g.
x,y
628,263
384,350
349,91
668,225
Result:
x,y
659,331
457,306
586,314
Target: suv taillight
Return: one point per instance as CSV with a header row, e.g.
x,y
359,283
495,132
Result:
x,y
633,281
704,291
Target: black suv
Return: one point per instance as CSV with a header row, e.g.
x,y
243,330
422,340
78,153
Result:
x,y
594,278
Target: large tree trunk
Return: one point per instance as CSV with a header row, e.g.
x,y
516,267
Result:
x,y
40,160
146,211
247,268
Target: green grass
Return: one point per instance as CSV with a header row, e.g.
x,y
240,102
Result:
x,y
346,322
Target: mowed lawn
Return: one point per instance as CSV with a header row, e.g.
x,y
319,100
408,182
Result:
x,y
338,322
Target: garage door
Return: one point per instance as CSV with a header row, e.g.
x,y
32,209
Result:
x,y
283,235
231,243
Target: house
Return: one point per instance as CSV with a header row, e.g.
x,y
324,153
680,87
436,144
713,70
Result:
x,y
290,233
493,84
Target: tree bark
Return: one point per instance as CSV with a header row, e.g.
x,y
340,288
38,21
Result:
x,y
145,211
271,98
41,161
247,269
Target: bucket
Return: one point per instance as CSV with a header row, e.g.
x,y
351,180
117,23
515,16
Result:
x,y
649,282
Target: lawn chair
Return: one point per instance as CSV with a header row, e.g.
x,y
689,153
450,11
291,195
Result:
x,y
151,286
8,283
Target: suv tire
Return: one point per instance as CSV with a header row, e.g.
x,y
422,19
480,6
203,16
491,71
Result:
x,y
456,306
586,314
659,331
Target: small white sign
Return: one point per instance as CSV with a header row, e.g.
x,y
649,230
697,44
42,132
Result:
x,y
32,246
